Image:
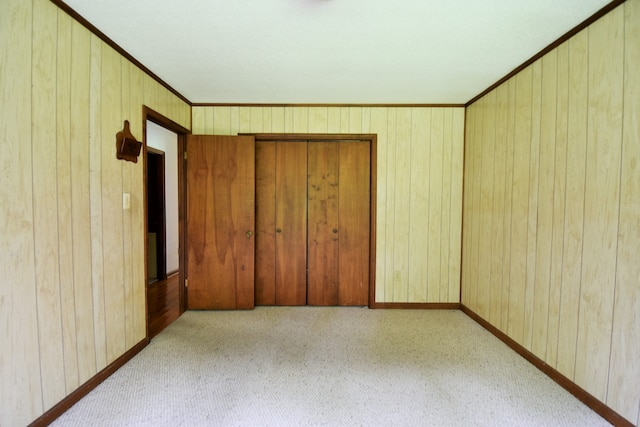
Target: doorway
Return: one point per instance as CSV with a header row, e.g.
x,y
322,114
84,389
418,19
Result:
x,y
156,215
165,204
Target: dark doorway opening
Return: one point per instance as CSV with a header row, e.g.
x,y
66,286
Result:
x,y
156,219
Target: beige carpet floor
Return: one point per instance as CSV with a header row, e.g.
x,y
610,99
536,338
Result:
x,y
309,366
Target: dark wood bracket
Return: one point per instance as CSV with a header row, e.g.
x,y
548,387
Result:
x,y
127,147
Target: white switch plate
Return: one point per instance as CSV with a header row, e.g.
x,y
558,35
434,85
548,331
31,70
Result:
x,y
126,201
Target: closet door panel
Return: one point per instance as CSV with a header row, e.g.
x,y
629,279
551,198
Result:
x,y
265,223
353,264
322,282
291,223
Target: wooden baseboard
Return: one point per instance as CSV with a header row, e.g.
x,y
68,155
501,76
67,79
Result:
x,y
66,403
592,402
418,305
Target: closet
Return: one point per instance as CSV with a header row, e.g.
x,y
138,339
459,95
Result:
x,y
312,242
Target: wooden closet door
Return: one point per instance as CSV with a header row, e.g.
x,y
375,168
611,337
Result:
x,y
323,223
265,223
354,234
291,223
220,221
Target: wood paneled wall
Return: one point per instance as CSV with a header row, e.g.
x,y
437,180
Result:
x,y
552,209
72,264
419,176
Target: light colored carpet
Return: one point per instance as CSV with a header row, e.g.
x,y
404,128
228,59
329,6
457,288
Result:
x,y
294,366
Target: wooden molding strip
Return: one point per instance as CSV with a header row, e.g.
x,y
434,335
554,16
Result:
x,y
207,104
584,24
592,402
66,403
418,305
89,26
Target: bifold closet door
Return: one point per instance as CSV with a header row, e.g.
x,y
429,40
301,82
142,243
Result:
x,y
323,223
338,222
281,223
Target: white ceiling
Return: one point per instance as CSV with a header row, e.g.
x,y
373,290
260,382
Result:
x,y
333,51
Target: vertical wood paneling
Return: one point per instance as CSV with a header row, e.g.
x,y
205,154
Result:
x,y
559,193
318,120
402,201
379,119
419,231
455,222
128,235
197,117
602,202
508,205
429,182
445,210
474,160
221,120
485,206
540,314
95,191
20,385
624,369
390,214
81,214
333,119
136,99
434,225
536,96
64,183
277,119
468,211
574,210
497,224
66,233
570,212
45,209
112,205
520,207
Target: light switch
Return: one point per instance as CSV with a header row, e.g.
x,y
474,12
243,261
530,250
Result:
x,y
126,201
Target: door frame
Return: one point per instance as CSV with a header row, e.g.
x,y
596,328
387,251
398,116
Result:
x,y
373,150
182,132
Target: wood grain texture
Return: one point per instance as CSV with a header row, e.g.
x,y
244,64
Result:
x,y
82,269
421,264
20,385
45,212
323,223
455,221
485,206
602,202
265,262
520,205
402,226
64,200
497,211
393,137
221,208
69,96
435,205
570,207
543,236
559,196
379,118
624,371
112,220
574,211
353,229
291,220
532,222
